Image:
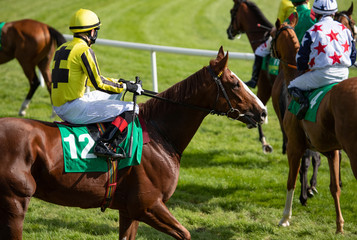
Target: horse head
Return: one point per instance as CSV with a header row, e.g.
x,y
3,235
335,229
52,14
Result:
x,y
234,99
345,17
246,17
234,27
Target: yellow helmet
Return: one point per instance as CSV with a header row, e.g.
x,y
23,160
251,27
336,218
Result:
x,y
84,20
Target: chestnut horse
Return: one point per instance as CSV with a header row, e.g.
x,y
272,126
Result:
x,y
32,43
32,159
334,129
245,18
280,102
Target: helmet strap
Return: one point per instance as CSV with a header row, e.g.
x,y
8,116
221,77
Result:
x,y
95,35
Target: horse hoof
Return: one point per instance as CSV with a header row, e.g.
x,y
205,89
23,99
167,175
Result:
x,y
267,149
22,113
284,223
310,193
314,190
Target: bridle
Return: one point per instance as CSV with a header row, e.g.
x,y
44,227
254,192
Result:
x,y
274,52
234,12
338,17
218,81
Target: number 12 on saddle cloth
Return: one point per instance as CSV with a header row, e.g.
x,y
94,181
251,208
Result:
x,y
78,145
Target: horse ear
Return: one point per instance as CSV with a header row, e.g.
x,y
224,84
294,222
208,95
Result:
x,y
350,10
222,64
277,23
220,54
294,18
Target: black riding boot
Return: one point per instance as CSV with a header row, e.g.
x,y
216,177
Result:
x,y
299,97
102,148
257,66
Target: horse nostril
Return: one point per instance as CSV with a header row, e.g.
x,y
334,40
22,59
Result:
x,y
263,115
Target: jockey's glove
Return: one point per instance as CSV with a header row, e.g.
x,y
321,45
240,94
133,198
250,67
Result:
x,y
134,87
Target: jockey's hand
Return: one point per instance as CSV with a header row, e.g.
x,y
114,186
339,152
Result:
x,y
134,88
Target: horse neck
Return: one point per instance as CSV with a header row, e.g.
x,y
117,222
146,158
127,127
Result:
x,y
288,61
250,19
176,123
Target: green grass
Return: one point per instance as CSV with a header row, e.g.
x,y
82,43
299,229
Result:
x,y
228,189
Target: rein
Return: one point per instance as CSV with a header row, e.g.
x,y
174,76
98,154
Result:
x,y
217,79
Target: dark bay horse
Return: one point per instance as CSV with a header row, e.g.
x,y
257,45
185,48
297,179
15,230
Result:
x,y
32,159
32,43
245,17
334,129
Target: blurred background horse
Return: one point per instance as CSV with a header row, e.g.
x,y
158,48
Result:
x,y
33,44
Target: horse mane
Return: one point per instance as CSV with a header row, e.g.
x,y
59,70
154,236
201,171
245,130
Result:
x,y
179,93
259,13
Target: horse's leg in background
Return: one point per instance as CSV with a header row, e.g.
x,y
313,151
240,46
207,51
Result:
x,y
316,162
340,156
264,93
128,227
29,70
44,67
305,163
267,148
334,165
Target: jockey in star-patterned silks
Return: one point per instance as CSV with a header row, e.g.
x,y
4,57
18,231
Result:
x,y
327,50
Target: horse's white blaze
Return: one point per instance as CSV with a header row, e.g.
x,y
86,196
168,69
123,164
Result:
x,y
288,209
251,93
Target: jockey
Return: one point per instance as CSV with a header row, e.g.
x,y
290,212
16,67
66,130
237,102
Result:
x,y
74,68
327,50
305,21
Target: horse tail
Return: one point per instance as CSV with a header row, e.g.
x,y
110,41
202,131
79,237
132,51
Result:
x,y
57,36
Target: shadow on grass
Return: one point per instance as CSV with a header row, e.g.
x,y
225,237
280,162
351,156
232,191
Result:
x,y
80,225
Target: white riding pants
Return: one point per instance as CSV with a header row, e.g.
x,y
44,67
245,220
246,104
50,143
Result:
x,y
264,49
319,78
93,107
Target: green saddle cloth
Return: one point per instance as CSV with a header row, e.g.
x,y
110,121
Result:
x,y
315,98
1,25
78,148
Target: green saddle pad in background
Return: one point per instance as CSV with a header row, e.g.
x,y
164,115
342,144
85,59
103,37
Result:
x,y
271,65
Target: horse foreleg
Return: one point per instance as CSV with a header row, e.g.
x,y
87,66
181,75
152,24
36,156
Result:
x,y
128,228
267,148
160,218
305,163
333,161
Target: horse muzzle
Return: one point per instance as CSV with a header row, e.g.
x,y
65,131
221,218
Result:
x,y
252,121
